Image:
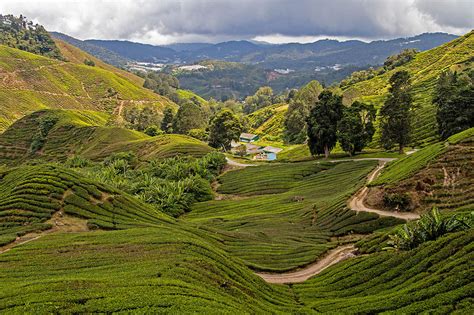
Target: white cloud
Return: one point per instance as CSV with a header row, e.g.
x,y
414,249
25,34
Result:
x,y
165,21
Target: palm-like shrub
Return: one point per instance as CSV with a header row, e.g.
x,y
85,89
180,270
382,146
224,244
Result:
x,y
428,228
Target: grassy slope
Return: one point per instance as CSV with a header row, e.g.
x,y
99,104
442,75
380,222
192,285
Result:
x,y
85,133
292,226
410,164
30,82
424,69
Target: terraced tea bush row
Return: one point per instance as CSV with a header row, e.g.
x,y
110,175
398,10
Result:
x,y
436,277
30,195
151,270
292,228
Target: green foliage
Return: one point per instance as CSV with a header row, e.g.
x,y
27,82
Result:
x,y
18,32
454,99
89,62
153,131
295,122
428,228
45,124
322,123
396,112
141,118
163,84
189,116
167,121
262,98
171,185
200,134
356,127
224,127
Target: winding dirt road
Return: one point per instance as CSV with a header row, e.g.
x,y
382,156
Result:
x,y
332,257
356,203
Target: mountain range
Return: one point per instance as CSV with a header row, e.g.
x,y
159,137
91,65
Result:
x,y
296,56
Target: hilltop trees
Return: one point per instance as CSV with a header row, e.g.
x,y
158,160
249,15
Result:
x,y
141,118
454,98
262,98
395,114
356,127
22,34
224,127
295,122
322,123
189,116
298,111
167,122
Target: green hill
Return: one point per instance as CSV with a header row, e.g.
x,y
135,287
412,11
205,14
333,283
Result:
x,y
87,134
30,82
424,70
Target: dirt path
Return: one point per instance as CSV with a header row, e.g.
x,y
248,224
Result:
x,y
356,203
234,163
60,222
332,257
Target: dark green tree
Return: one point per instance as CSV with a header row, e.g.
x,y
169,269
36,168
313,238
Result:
x,y
454,99
295,122
356,127
189,116
224,127
167,121
262,98
322,123
395,114
298,111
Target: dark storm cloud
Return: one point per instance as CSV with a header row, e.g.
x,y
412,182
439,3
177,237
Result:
x,y
188,20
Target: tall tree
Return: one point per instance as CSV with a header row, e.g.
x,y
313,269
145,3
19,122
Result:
x,y
167,122
262,98
298,110
189,116
224,127
356,127
322,123
295,122
395,114
454,99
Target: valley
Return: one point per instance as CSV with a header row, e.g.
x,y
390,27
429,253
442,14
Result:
x,y
135,192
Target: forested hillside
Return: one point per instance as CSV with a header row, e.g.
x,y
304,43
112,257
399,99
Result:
x,y
424,69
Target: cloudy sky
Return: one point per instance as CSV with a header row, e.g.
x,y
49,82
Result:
x,y
168,21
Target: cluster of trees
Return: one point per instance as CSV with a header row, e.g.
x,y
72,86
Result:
x,y
18,32
264,97
163,84
454,100
319,117
171,185
330,121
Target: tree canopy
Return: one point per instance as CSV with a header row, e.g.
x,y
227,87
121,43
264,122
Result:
x,y
356,127
189,116
396,112
454,99
322,123
224,127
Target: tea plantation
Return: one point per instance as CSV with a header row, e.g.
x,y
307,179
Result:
x,y
280,217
